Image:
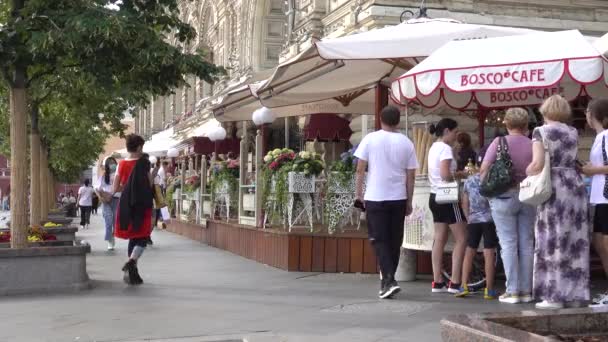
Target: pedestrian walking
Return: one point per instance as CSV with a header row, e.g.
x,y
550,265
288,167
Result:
x,y
155,188
442,168
71,204
85,202
134,215
95,204
109,201
514,220
390,160
561,256
597,169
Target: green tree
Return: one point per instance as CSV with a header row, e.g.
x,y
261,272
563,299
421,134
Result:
x,y
123,54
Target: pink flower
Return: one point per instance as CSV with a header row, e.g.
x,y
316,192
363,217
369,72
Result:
x,y
273,165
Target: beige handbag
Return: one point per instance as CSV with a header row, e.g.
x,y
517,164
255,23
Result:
x,y
447,193
537,189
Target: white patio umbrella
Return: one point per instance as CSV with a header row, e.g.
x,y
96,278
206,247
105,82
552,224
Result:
x,y
335,67
506,71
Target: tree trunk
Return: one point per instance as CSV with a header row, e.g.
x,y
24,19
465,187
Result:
x,y
19,167
51,191
44,187
18,138
35,190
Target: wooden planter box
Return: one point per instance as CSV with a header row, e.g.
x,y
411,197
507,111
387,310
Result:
x,y
40,270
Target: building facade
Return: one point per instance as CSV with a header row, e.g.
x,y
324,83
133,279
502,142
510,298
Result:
x,y
250,37
244,36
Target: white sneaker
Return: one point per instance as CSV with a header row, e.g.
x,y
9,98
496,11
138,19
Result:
x,y
526,298
599,301
509,298
110,245
549,305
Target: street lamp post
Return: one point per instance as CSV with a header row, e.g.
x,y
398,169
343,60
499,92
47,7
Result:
x,y
261,118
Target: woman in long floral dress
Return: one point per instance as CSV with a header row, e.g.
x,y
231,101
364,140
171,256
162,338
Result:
x,y
561,255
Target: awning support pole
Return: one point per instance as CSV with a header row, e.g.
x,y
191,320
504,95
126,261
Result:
x,y
482,114
259,161
380,103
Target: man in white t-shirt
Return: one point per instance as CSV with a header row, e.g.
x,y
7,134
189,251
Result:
x,y
390,159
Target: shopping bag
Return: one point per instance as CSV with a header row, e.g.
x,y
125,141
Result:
x,y
164,211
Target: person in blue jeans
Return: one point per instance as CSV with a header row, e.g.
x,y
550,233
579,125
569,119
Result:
x,y
109,202
514,220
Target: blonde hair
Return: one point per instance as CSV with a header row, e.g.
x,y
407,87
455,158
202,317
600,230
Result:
x,y
516,118
556,108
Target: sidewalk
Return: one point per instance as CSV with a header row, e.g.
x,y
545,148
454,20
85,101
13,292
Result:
x,y
193,292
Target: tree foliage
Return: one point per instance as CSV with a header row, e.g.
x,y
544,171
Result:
x,y
84,59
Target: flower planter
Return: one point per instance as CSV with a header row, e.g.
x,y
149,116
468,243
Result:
x,y
192,196
223,188
298,183
38,270
337,184
63,233
51,243
58,219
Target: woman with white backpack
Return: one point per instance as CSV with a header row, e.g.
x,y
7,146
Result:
x,y
561,255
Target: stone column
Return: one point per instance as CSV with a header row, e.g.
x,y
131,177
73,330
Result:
x,y
156,115
193,93
165,106
136,117
185,97
182,178
179,107
406,271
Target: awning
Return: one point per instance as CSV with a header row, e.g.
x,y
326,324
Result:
x,y
327,127
202,145
339,66
507,71
601,44
157,145
239,104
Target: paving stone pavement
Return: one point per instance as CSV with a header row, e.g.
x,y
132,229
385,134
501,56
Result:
x,y
194,292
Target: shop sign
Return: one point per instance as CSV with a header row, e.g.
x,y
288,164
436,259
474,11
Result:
x,y
508,77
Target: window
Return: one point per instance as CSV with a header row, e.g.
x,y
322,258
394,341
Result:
x,y
277,6
273,52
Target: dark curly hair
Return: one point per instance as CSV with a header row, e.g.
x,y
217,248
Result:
x,y
134,141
